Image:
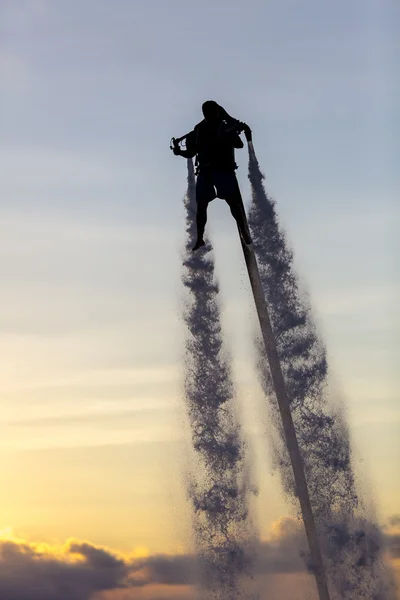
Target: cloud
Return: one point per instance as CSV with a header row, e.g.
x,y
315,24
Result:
x,y
393,544
31,571
280,554
284,551
169,570
80,570
394,521
392,536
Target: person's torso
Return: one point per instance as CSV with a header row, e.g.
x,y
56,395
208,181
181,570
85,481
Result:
x,y
214,149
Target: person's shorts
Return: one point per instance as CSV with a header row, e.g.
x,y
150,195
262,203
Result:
x,y
216,184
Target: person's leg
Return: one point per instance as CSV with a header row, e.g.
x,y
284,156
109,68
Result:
x,y
228,189
204,194
201,220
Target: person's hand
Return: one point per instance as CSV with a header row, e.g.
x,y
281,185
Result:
x,y
241,126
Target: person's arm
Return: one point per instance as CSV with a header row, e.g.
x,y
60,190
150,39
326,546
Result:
x,y
233,138
237,141
232,135
191,149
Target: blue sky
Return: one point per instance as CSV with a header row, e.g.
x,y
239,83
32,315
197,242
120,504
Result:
x,y
92,220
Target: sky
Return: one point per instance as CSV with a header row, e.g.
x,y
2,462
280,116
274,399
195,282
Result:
x,y
92,230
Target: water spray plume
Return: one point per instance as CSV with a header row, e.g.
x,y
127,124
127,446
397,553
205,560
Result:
x,y
351,545
314,450
218,489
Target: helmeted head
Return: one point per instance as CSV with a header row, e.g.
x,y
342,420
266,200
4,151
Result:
x,y
211,111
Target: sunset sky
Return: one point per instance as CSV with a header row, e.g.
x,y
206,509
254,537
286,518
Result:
x,y
92,228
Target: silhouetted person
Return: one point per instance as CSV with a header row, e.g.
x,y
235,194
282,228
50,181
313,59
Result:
x,y
213,142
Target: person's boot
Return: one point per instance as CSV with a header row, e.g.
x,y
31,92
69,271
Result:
x,y
200,242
